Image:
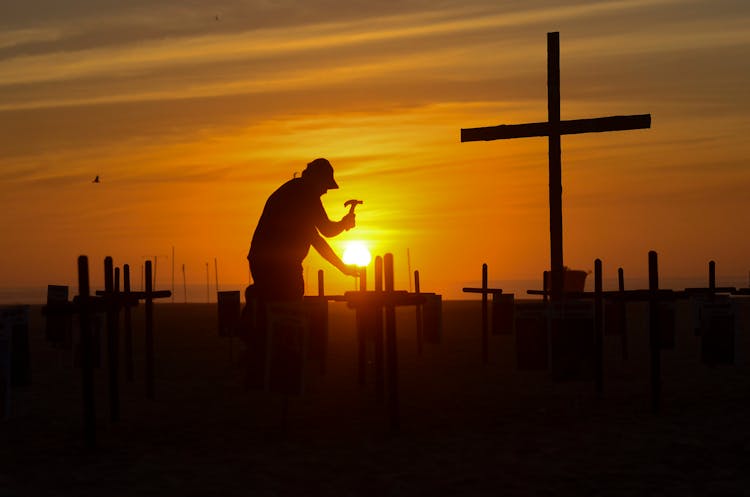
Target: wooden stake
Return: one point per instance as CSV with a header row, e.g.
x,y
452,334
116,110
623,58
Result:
x,y
149,334
363,279
391,347
379,338
621,288
173,274
598,327
654,332
485,319
420,325
113,340
87,364
127,322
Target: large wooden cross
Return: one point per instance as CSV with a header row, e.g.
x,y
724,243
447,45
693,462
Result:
x,y
553,129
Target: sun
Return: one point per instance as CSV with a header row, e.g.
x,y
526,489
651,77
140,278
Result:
x,y
356,253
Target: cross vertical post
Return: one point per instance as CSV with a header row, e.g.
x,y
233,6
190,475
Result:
x,y
555,164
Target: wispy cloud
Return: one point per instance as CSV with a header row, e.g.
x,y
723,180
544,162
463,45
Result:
x,y
325,53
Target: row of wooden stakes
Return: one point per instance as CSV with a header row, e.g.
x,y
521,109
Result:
x,y
585,317
111,301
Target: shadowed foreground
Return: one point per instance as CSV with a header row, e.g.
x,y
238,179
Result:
x,y
466,429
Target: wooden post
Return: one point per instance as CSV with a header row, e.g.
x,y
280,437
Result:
x,y
127,322
363,279
391,347
599,327
379,339
324,302
87,364
485,320
555,174
545,286
361,316
654,332
621,288
712,276
149,333
420,331
113,340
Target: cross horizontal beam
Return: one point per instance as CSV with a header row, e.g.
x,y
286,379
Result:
x,y
571,127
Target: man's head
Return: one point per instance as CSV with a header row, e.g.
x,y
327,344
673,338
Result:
x,y
320,172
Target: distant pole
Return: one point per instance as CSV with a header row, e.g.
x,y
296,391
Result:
x,y
408,264
208,289
184,283
216,275
712,275
173,274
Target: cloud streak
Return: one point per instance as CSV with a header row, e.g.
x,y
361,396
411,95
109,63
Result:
x,y
262,52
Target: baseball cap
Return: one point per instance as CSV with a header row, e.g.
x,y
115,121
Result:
x,y
322,170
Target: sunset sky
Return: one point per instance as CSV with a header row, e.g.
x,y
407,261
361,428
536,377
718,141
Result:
x,y
193,112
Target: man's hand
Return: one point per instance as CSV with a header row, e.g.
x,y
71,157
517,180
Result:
x,y
350,270
348,221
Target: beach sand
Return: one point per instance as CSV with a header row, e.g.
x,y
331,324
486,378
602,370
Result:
x,y
466,428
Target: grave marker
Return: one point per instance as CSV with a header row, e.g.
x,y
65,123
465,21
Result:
x,y
553,129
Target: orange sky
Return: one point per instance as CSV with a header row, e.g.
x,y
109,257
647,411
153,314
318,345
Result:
x,y
191,122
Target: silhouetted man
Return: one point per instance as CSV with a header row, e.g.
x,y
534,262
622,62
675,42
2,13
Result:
x,y
294,219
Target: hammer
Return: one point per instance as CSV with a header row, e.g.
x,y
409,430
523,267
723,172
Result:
x,y
353,203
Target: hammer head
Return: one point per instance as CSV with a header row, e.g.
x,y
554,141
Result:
x,y
353,203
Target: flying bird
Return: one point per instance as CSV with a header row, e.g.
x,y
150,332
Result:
x,y
96,180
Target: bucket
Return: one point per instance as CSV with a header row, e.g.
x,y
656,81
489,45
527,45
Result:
x,y
574,280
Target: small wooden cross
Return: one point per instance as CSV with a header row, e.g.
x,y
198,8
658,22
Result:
x,y
553,129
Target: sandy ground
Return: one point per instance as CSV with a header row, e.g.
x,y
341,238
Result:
x,y
466,428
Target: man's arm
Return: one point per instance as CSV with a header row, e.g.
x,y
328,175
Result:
x,y
328,254
330,228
